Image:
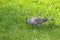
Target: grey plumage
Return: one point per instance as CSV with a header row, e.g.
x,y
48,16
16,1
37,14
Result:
x,y
37,21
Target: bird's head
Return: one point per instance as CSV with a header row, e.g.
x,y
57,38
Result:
x,y
28,21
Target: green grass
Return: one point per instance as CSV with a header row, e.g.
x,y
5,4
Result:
x,y
13,14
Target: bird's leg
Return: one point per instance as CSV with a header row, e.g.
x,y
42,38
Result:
x,y
37,25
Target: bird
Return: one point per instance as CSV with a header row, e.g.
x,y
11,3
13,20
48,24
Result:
x,y
37,21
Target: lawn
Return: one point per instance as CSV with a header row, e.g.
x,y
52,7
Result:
x,y
13,14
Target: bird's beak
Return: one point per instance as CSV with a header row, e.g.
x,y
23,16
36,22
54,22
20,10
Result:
x,y
26,22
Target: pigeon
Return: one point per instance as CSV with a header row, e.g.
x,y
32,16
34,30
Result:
x,y
37,21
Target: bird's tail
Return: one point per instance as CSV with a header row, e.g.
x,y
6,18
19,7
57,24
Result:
x,y
51,19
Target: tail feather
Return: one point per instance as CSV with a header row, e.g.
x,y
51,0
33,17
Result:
x,y
51,19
